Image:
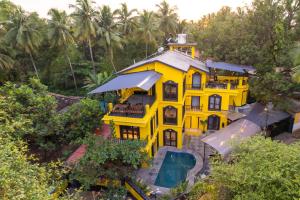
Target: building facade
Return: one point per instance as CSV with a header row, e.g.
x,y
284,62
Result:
x,y
173,94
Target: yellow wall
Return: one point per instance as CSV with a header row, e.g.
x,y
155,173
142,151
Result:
x,y
191,118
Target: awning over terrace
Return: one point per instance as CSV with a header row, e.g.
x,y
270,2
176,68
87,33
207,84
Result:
x,y
256,120
229,67
223,139
143,80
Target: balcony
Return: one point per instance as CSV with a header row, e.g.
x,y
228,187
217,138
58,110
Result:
x,y
216,85
193,87
189,108
134,106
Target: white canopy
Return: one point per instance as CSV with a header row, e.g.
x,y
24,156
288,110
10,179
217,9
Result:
x,y
237,131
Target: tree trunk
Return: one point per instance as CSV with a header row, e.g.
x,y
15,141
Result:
x,y
33,63
92,58
112,58
146,49
72,71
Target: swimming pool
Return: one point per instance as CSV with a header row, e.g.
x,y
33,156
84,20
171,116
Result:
x,y
174,169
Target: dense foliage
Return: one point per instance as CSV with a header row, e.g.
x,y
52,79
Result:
x,y
259,168
109,158
38,121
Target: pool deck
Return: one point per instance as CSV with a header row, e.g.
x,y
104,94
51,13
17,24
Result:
x,y
149,175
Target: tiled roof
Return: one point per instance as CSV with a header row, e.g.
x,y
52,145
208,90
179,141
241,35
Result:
x,y
173,59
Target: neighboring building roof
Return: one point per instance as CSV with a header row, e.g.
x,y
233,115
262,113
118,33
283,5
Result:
x,y
143,80
262,118
173,59
229,67
63,102
223,139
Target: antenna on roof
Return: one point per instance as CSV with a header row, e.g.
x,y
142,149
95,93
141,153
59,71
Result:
x,y
160,49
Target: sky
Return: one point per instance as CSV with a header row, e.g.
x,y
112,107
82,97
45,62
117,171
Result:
x,y
187,9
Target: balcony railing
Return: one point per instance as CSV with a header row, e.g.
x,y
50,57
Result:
x,y
125,110
189,108
193,86
134,106
215,85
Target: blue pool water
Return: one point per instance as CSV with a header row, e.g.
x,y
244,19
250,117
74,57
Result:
x,y
174,169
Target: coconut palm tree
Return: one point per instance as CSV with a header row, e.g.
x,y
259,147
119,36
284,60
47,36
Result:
x,y
59,34
182,26
93,81
23,33
108,30
168,18
126,19
85,26
147,28
296,61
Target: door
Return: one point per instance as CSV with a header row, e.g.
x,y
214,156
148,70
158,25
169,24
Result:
x,y
170,138
195,103
213,122
196,82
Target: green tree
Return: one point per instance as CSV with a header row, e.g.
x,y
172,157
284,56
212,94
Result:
x,y
6,61
59,34
92,81
109,158
23,33
85,26
126,19
258,168
108,29
147,29
167,17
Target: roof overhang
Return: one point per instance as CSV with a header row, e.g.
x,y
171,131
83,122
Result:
x,y
223,140
143,80
229,67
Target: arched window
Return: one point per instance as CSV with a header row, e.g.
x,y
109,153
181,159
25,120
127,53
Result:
x,y
215,102
170,91
170,138
213,122
170,115
196,82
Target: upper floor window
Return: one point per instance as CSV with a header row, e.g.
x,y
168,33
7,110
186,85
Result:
x,y
170,91
170,115
196,82
129,132
214,102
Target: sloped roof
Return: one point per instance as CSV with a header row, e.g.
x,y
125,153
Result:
x,y
262,118
229,66
173,59
222,140
143,80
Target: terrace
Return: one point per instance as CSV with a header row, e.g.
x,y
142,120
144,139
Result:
x,y
134,106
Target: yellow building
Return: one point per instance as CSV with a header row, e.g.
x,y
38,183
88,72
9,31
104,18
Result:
x,y
172,94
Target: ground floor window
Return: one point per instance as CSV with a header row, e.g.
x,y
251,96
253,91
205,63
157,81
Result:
x,y
170,138
213,122
129,132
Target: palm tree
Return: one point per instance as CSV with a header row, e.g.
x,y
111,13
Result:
x,y
85,26
93,81
108,29
167,18
6,61
23,33
182,26
296,62
59,34
126,19
148,28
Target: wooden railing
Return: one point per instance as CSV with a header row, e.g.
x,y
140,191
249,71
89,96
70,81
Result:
x,y
137,111
190,108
